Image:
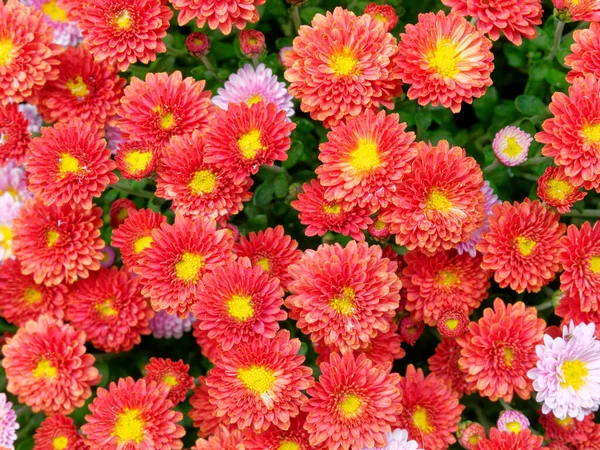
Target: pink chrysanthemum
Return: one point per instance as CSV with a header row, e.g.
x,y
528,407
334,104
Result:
x,y
48,368
512,421
445,280
133,415
113,135
250,86
522,245
294,438
119,211
321,216
505,440
57,14
283,56
166,326
583,59
258,383
108,257
109,308
70,164
198,188
223,439
124,31
203,411
57,244
431,410
446,60
384,14
221,15
173,374
365,159
470,433
569,308
379,230
56,433
8,423
555,189
575,10
444,365
13,194
171,268
515,18
572,136
511,146
32,116
499,350
343,65
163,106
343,297
567,430
440,202
14,134
136,160
27,54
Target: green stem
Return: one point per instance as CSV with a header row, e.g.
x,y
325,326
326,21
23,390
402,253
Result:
x,y
177,52
505,405
296,17
535,160
546,305
473,21
125,190
491,167
560,27
586,213
103,357
210,68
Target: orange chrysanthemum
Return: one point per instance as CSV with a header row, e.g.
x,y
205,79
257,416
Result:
x,y
203,412
85,89
444,365
109,308
569,308
431,410
294,438
136,160
522,245
218,14
365,158
444,280
499,350
583,59
48,368
163,106
575,10
57,244
572,136
555,189
124,31
195,186
440,202
353,405
223,439
14,134
27,54
343,65
173,374
568,430
258,383
446,60
56,433
171,268
70,164
133,415
208,347
507,440
21,299
343,297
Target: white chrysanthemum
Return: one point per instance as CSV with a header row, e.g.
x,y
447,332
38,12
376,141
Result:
x,y
33,117
8,423
398,440
13,193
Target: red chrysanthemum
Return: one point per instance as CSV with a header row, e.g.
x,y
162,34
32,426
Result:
x,y
119,211
507,440
580,259
446,60
384,14
242,138
365,158
208,347
203,413
343,297
379,230
56,244
575,10
593,442
444,280
410,331
452,323
58,432
572,136
134,236
27,54
252,43
515,18
321,216
569,308
343,65
295,438
444,365
133,415
48,368
440,202
353,405
568,430
136,160
124,31
499,350
15,134
557,445
163,106
70,164
21,299
218,14
195,186
110,309
223,439
238,302
522,245
173,374
258,383
555,189
171,268
583,59
272,250
431,410
85,89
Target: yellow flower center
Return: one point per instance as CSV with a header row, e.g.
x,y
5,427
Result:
x,y
203,182
264,264
380,17
332,208
448,278
350,406
254,99
421,420
12,191
451,324
32,296
51,237
170,380
60,443
188,267
6,237
559,190
509,354
123,20
590,132
105,308
513,149
167,120
240,307
250,144
68,164
344,303
525,245
514,427
437,201
444,59
77,87
288,445
365,156
343,62
142,243
55,12
379,225
595,263
129,426
563,422
473,440
6,48
258,379
575,374
44,369
137,161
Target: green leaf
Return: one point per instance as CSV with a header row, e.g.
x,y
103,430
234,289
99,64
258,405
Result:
x,y
280,185
484,106
514,56
529,105
423,119
263,195
293,154
543,40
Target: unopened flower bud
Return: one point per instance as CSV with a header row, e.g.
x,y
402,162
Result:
x,y
197,44
384,14
252,43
